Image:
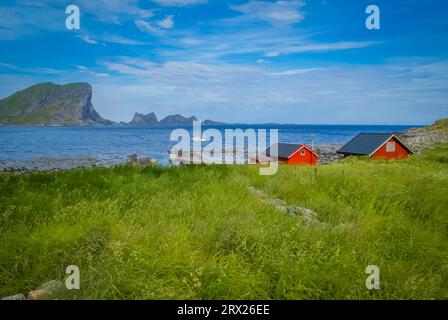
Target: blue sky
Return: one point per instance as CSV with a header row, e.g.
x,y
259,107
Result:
x,y
290,61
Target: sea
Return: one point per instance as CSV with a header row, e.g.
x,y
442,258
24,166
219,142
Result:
x,y
64,147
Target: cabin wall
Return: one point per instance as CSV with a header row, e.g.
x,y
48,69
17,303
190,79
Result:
x,y
307,158
399,153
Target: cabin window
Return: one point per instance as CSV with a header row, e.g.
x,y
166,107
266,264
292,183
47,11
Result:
x,y
302,153
390,146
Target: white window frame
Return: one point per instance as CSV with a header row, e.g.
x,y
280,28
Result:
x,y
390,146
302,152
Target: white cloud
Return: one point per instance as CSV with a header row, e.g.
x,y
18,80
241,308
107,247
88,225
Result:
x,y
146,26
24,20
272,54
30,17
293,72
263,41
278,12
115,11
178,3
111,38
333,46
262,61
87,70
86,39
166,23
158,26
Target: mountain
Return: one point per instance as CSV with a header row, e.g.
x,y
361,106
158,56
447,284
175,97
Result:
x,y
211,122
51,104
139,118
178,119
151,118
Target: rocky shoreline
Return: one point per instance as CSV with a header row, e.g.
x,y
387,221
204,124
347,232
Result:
x,y
421,139
47,164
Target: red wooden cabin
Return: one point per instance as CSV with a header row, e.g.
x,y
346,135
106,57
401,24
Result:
x,y
377,146
292,153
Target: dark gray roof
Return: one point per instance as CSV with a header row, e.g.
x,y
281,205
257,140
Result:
x,y
285,150
365,143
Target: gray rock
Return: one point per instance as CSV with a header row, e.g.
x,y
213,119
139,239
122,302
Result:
x,y
37,295
46,290
419,140
51,287
257,192
277,203
133,158
302,211
328,153
15,297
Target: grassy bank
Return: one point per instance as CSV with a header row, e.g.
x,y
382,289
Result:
x,y
198,233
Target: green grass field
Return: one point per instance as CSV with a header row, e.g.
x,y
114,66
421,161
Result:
x,y
196,232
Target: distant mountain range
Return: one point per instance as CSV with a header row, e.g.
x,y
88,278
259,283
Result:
x,y
151,118
70,104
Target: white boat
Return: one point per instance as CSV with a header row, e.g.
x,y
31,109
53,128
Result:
x,y
199,139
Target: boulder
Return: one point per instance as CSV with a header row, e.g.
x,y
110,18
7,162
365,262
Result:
x,y
15,297
46,290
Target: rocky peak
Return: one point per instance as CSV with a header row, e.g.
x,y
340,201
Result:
x,y
140,118
51,104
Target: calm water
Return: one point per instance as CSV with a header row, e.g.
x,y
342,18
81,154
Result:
x,y
46,147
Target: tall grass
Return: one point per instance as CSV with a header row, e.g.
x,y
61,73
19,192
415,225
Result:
x,y
196,232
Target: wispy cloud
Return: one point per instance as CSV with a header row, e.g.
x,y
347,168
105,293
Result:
x,y
321,47
278,12
272,54
295,72
25,20
115,11
264,42
260,91
146,26
91,72
155,27
179,3
117,39
86,39
35,70
166,23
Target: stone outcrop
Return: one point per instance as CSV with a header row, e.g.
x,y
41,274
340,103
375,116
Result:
x,y
419,140
308,216
178,119
45,291
139,118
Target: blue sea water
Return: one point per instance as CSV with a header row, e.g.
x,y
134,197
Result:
x,y
46,147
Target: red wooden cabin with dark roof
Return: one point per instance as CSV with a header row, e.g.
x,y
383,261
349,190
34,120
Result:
x,y
289,153
377,146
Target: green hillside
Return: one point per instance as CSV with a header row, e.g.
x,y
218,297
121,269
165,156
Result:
x,y
439,125
49,103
